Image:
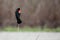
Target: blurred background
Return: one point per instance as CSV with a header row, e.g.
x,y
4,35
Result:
x,y
34,13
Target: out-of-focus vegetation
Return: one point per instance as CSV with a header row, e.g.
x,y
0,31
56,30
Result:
x,y
34,13
29,29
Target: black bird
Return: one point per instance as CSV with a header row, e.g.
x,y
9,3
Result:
x,y
17,14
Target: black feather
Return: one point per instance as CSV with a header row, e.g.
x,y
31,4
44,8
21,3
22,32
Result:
x,y
18,16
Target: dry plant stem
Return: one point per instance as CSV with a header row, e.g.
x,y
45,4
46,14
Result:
x,y
18,27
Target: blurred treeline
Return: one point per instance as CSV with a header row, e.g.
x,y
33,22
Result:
x,y
34,12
